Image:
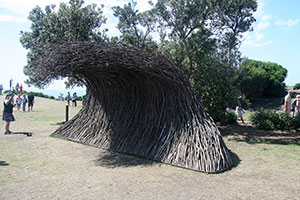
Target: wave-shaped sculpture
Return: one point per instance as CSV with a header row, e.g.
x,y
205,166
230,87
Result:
x,y
137,103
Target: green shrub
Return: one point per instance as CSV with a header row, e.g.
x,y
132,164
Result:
x,y
271,120
297,86
266,124
245,103
230,117
296,122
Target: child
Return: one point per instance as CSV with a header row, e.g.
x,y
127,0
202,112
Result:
x,y
239,113
19,102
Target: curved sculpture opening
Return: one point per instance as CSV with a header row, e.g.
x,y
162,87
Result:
x,y
137,103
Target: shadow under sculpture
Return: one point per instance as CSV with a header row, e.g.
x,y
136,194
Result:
x,y
137,103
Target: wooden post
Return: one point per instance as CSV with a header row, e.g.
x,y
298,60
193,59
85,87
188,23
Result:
x,y
67,112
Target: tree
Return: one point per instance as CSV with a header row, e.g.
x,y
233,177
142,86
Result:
x,y
261,79
135,27
183,18
232,19
297,86
72,21
203,41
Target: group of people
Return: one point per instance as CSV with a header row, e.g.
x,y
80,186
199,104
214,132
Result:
x,y
74,99
23,100
292,108
9,104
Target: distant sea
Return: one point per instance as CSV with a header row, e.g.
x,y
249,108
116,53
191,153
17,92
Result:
x,y
56,93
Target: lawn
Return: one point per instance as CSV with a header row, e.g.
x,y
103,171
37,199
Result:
x,y
266,165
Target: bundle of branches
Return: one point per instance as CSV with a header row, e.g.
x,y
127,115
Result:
x,y
137,103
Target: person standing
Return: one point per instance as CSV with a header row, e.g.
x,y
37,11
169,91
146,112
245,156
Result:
x,y
297,105
30,101
8,112
24,101
21,89
17,87
239,111
288,102
1,89
19,102
74,99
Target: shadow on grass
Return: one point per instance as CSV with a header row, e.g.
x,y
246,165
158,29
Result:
x,y
23,133
260,141
59,123
111,159
3,163
252,135
235,159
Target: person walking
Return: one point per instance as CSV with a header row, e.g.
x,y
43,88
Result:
x,y
74,99
239,111
30,101
18,103
24,101
21,89
8,112
288,102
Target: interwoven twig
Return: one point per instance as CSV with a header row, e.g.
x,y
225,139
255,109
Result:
x,y
137,103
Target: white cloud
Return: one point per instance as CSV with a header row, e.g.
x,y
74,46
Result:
x,y
260,6
264,43
255,38
289,23
259,36
266,17
262,25
252,42
293,22
11,18
24,7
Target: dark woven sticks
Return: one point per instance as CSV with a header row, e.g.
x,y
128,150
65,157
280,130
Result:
x,y
137,103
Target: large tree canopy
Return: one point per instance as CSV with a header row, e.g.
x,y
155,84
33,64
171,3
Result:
x,y
203,41
260,79
72,21
135,26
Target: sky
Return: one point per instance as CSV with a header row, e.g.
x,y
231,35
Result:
x,y
275,36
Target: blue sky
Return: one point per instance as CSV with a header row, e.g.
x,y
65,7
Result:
x,y
276,35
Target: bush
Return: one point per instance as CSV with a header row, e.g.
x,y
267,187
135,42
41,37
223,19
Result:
x,y
271,120
296,122
36,94
297,86
230,117
245,103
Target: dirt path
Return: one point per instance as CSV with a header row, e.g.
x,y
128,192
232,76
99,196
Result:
x,y
42,167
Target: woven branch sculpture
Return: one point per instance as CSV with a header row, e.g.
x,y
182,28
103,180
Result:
x,y
137,103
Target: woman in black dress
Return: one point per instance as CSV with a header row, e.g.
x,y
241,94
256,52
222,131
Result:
x,y
7,112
